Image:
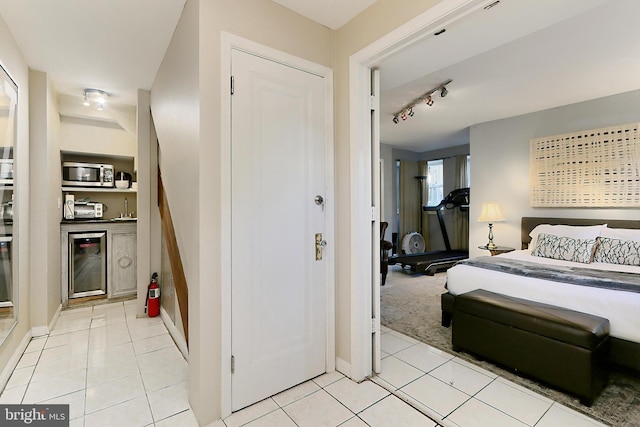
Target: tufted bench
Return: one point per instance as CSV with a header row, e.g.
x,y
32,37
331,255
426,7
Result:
x,y
563,348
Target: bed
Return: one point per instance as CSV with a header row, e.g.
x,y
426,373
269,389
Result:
x,y
621,307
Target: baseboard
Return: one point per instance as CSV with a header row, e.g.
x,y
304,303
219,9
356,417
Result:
x,y
175,333
40,331
13,362
343,367
55,318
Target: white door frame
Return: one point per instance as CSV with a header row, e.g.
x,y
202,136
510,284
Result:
x,y
361,174
228,42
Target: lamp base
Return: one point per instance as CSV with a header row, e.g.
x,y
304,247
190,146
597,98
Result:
x,y
491,245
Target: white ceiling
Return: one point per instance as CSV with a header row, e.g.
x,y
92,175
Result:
x,y
330,13
518,57
113,45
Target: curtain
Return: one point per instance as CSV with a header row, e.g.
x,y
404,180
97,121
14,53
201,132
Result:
x,y
424,189
460,238
409,199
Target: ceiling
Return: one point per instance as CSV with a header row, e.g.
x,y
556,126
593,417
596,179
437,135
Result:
x,y
517,57
115,45
330,13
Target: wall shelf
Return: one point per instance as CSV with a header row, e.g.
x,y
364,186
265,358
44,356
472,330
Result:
x,y
98,190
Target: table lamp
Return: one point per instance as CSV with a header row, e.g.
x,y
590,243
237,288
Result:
x,y
490,213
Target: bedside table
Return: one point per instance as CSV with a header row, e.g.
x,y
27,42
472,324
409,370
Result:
x,y
497,250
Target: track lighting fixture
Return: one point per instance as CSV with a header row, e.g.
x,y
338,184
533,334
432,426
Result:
x,y
407,111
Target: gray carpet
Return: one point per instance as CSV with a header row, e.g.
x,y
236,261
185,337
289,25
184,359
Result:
x,y
411,304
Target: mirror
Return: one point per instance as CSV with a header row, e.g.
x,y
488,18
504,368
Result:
x,y
8,122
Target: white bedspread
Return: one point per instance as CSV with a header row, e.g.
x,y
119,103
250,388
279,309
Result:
x,y
620,307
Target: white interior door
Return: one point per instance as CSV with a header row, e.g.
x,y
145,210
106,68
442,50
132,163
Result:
x,y
278,170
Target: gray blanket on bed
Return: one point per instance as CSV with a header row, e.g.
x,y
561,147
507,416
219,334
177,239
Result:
x,y
620,281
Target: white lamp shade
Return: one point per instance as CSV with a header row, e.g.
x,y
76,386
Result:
x,y
490,213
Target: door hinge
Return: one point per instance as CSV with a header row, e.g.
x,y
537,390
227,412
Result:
x,y
374,103
232,85
233,364
373,325
374,213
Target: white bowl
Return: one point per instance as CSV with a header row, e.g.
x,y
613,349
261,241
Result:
x,y
122,184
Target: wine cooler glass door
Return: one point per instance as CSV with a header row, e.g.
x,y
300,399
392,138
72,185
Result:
x,y
87,264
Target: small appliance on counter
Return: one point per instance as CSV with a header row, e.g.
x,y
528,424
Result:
x,y
6,171
6,165
6,211
87,210
81,209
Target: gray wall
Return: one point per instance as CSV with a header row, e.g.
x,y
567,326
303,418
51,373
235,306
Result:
x,y
500,163
389,155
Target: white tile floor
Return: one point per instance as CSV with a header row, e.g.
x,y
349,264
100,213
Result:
x,y
116,370
111,368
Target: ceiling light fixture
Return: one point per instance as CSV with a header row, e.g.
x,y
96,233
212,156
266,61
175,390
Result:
x,y
426,98
97,97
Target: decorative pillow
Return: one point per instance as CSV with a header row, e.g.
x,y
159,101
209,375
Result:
x,y
616,251
573,231
564,248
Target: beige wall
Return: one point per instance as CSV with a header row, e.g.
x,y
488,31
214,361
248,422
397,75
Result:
x,y
14,63
45,193
185,102
96,137
372,24
175,107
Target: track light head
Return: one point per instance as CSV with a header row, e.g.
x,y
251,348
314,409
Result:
x,y
443,92
396,119
428,100
410,113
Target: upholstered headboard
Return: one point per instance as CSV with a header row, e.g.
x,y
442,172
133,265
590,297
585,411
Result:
x,y
529,223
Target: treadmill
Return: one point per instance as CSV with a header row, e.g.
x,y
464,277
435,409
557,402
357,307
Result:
x,y
431,262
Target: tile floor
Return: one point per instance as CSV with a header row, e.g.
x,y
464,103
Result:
x,y
116,370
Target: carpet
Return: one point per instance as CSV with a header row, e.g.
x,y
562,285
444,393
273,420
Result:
x,y
410,304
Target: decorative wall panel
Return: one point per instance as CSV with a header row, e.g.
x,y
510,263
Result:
x,y
591,168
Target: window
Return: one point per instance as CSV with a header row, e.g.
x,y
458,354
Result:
x,y
435,181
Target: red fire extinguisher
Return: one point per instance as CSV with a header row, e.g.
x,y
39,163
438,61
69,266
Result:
x,y
152,306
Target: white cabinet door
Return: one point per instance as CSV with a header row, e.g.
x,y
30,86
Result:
x,y
122,262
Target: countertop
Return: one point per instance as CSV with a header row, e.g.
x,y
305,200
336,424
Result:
x,y
98,221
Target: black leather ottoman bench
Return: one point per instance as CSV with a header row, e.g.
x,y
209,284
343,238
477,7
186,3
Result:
x,y
563,348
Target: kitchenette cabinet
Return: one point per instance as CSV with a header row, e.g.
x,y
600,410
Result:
x,y
122,267
112,267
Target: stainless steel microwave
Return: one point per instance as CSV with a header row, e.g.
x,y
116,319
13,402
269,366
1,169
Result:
x,y
87,174
6,171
